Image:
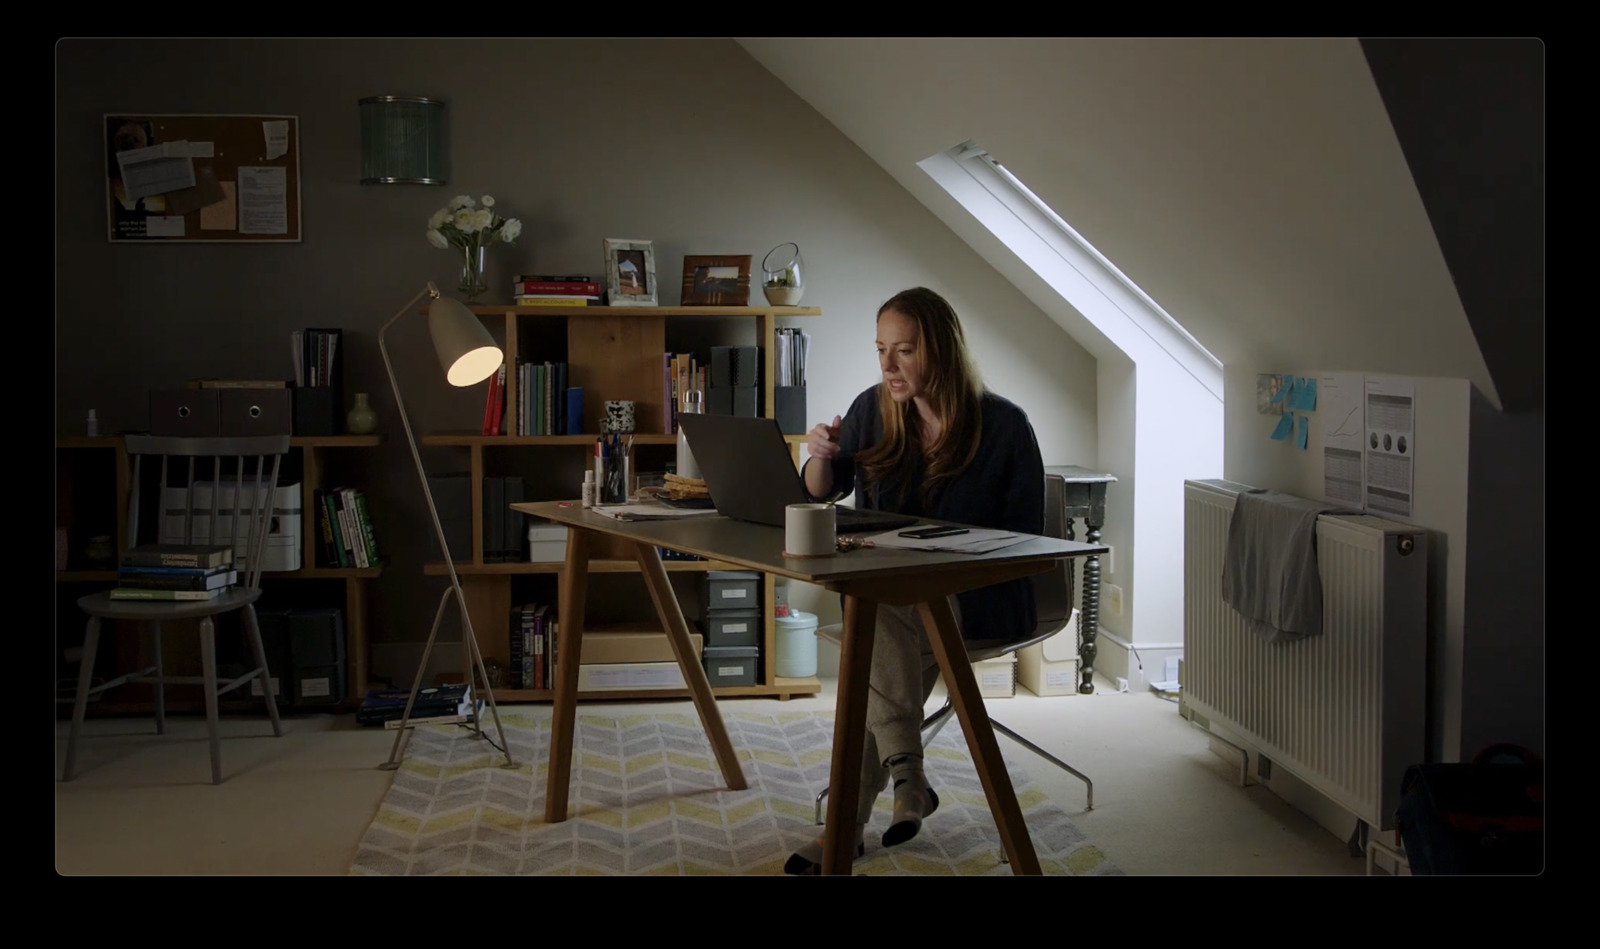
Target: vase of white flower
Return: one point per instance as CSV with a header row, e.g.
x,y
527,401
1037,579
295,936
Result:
x,y
474,261
464,224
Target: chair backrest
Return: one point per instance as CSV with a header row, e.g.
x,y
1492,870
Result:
x,y
1052,589
207,491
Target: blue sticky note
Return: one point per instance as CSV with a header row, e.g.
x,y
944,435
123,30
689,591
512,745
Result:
x,y
1305,427
1285,426
1310,397
1283,390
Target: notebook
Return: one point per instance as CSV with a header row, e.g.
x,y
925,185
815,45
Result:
x,y
751,476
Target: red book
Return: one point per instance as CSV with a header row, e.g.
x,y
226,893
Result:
x,y
565,288
491,405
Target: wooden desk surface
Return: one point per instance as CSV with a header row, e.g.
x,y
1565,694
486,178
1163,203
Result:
x,y
759,547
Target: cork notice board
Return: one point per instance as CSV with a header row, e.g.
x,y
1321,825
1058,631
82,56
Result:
x,y
202,178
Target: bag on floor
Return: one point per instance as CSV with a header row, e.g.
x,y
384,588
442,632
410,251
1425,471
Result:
x,y
1481,817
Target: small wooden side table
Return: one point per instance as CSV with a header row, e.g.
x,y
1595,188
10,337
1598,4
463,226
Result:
x,y
1084,495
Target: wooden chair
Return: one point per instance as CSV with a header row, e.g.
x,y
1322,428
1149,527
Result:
x,y
1053,591
245,469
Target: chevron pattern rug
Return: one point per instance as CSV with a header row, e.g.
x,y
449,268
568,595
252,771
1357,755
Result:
x,y
647,799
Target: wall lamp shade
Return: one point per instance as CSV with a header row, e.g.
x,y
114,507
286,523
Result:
x,y
467,352
403,141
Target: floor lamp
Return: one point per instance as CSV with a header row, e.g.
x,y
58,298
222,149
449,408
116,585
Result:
x,y
468,355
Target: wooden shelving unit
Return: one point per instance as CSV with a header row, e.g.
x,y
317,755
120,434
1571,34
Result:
x,y
356,593
616,351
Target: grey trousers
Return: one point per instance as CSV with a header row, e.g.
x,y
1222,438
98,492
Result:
x,y
902,677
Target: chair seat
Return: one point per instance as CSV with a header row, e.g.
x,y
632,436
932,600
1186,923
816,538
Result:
x,y
102,605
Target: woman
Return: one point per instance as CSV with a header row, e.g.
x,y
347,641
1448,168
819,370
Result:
x,y
932,442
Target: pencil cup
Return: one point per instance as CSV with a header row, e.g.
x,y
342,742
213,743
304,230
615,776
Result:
x,y
808,530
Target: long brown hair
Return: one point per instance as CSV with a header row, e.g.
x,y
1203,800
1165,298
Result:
x,y
951,387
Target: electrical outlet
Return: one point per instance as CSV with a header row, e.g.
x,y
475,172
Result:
x,y
1114,598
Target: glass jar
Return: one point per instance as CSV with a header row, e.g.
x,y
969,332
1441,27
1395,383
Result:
x,y
473,282
781,277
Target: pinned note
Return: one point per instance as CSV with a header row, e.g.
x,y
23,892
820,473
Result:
x,y
1285,427
277,136
1302,430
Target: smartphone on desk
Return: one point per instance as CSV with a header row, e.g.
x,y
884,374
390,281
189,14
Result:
x,y
928,533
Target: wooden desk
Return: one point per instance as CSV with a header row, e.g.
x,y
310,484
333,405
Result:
x,y
865,578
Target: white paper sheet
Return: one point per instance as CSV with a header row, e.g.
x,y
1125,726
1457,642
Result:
x,y
975,541
277,136
1343,418
1391,446
645,511
155,169
263,200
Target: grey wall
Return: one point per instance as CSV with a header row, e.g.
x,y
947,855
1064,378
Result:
x,y
685,142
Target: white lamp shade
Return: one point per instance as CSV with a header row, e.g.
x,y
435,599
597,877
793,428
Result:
x,y
467,352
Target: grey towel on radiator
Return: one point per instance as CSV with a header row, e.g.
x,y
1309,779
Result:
x,y
1270,571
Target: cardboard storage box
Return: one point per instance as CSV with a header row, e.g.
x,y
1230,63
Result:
x,y
997,677
731,628
600,648
730,590
547,543
1051,667
731,665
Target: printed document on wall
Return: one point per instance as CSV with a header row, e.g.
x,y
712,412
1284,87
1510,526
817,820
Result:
x,y
1391,445
1343,429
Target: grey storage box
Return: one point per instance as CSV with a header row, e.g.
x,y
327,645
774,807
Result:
x,y
731,665
191,413
255,411
316,650
733,627
730,590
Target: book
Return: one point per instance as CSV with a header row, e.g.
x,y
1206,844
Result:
x,y
366,529
526,300
555,278
137,593
178,555
460,719
382,705
133,579
554,287
238,383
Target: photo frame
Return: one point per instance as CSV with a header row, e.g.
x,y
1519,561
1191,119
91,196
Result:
x,y
630,273
716,281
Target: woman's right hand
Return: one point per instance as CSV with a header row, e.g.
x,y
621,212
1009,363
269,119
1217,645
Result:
x,y
823,440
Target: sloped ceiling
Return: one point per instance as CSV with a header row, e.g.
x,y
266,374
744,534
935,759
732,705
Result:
x,y
1255,188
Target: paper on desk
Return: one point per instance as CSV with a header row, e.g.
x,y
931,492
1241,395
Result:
x,y
974,541
644,511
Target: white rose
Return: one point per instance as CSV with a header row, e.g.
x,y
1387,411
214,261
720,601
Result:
x,y
510,229
482,218
488,202
437,239
466,220
460,201
439,218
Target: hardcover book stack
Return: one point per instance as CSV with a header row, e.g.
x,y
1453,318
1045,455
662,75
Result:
x,y
555,290
174,572
437,705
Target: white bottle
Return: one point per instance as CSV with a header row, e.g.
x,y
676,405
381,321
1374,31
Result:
x,y
588,488
686,465
91,424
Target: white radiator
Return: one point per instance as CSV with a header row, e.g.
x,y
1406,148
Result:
x,y
1344,712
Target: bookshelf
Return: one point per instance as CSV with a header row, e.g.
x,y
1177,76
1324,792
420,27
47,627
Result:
x,y
95,502
611,353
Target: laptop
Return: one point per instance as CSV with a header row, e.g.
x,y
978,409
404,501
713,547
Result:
x,y
751,475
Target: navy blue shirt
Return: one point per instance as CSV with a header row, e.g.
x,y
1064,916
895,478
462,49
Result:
x,y
1003,488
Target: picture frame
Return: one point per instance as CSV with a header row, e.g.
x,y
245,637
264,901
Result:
x,y
716,280
630,273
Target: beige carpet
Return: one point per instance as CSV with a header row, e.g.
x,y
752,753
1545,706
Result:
x,y
647,798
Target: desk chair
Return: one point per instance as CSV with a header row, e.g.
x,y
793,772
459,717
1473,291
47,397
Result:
x,y
1053,589
187,463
